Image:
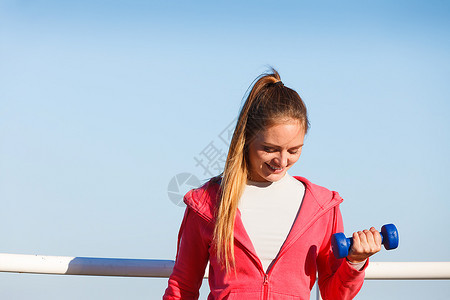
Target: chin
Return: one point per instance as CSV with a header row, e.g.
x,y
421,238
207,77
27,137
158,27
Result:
x,y
274,177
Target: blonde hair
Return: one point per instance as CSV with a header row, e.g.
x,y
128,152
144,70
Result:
x,y
269,102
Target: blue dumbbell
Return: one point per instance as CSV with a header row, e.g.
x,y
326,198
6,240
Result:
x,y
341,244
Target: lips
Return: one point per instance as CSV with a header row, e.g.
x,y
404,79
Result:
x,y
274,169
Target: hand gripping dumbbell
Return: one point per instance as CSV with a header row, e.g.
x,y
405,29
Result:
x,y
341,245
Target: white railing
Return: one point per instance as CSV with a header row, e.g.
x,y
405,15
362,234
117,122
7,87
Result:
x,y
64,265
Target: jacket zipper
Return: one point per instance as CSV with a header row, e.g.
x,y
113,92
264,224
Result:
x,y
266,275
266,286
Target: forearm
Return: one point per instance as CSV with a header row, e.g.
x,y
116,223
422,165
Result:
x,y
338,279
344,283
192,258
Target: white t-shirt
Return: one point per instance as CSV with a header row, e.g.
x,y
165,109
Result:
x,y
268,211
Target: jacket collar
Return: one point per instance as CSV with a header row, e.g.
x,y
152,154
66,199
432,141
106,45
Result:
x,y
316,201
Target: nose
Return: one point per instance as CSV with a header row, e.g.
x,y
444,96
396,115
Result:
x,y
282,159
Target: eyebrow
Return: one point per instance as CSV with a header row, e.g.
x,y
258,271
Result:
x,y
276,146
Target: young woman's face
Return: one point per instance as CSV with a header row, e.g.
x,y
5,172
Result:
x,y
274,150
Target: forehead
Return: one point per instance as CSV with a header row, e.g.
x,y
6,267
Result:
x,y
290,133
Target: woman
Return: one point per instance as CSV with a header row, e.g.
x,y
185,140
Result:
x,y
265,233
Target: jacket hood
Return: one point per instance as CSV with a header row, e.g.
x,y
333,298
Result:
x,y
204,199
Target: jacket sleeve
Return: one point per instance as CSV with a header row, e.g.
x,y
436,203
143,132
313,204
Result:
x,y
191,260
338,280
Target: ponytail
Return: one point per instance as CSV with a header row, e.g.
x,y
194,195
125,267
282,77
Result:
x,y
268,101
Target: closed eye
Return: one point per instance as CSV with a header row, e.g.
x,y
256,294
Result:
x,y
295,150
269,149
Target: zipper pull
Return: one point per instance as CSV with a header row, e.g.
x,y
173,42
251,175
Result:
x,y
266,279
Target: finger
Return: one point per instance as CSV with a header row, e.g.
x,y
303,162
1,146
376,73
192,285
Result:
x,y
377,236
363,239
356,237
370,237
373,247
356,240
356,245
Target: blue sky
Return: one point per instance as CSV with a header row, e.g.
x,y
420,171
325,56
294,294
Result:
x,y
102,103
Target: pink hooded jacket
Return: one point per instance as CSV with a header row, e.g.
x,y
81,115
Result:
x,y
291,275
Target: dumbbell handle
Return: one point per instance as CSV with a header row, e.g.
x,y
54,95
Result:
x,y
341,244
350,240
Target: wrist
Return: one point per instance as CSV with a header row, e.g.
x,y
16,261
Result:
x,y
355,262
358,266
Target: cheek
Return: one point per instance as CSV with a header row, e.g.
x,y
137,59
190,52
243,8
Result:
x,y
259,159
265,157
294,159
255,158
261,155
